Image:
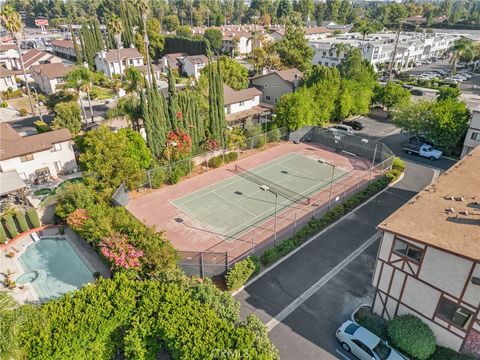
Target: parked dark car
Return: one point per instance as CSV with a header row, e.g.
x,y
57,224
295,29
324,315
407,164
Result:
x,y
355,124
417,92
420,139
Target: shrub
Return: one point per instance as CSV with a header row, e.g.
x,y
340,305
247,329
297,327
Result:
x,y
3,104
398,164
231,156
11,94
371,321
41,126
443,353
10,225
3,234
409,334
239,274
157,177
215,162
256,262
22,221
269,256
22,112
43,192
33,217
274,134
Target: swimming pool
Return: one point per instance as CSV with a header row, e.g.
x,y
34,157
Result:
x,y
53,268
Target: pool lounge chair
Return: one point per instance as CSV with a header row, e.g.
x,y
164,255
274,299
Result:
x,y
34,237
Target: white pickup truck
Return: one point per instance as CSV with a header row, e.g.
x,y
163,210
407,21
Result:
x,y
422,149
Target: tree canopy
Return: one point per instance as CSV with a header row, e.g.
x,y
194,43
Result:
x,y
294,50
67,116
234,74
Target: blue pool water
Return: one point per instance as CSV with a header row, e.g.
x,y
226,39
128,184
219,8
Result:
x,y
53,268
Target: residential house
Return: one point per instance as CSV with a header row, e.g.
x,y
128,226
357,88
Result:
x,y
153,68
275,84
107,61
428,263
49,77
242,105
172,61
472,139
36,157
312,33
64,48
34,57
7,79
192,65
8,56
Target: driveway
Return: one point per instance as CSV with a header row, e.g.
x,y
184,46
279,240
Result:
x,y
307,296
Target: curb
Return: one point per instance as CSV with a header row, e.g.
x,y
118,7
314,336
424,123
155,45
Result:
x,y
314,237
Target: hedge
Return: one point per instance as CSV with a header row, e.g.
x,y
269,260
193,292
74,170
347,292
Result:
x,y
33,217
22,221
411,335
239,274
443,353
219,160
157,177
316,225
3,234
372,322
10,225
41,126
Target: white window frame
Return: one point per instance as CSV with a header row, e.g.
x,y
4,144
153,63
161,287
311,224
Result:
x,y
57,147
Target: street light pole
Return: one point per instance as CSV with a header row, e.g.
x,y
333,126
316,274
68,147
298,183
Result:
x,y
38,103
266,188
321,161
374,155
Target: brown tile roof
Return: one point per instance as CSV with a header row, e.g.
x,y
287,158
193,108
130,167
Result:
x,y
52,71
13,145
5,47
63,43
128,53
5,72
173,60
287,74
316,30
197,59
232,96
426,217
34,55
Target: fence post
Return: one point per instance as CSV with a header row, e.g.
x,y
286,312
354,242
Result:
x,y
358,182
295,225
226,261
189,166
313,210
202,270
344,192
206,160
253,246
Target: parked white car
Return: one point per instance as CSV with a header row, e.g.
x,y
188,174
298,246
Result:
x,y
364,344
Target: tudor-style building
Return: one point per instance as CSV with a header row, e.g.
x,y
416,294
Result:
x,y
428,263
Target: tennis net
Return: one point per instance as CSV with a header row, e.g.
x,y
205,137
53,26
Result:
x,y
278,189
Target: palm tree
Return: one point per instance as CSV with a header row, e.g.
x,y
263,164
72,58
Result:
x,y
129,107
10,322
12,22
462,50
134,81
81,79
340,49
115,27
143,7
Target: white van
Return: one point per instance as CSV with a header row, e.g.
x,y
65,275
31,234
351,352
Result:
x,y
344,128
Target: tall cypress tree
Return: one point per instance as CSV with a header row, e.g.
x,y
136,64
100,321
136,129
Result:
x,y
216,111
172,101
126,16
78,54
222,124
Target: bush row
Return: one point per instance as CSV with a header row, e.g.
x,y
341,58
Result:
x,y
316,225
11,225
12,94
219,160
163,175
239,274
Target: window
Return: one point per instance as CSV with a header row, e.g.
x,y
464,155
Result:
x,y
58,166
267,97
407,250
274,85
324,53
25,158
59,80
266,86
364,347
242,103
57,147
130,61
276,100
453,313
475,136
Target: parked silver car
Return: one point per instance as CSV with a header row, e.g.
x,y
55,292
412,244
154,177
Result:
x,y
364,344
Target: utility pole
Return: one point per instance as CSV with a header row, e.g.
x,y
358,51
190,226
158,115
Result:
x,y
394,55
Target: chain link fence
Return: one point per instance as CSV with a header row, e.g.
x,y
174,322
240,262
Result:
x,y
296,216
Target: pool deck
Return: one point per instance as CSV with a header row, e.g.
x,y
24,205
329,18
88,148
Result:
x,y
26,294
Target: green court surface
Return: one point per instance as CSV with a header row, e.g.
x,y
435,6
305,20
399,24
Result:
x,y
233,206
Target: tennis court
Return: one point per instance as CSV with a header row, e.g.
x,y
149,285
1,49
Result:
x,y
235,205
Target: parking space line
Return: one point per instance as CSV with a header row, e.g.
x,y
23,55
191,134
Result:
x,y
342,354
315,287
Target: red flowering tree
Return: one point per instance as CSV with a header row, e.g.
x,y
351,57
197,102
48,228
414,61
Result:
x,y
211,145
77,218
179,145
117,249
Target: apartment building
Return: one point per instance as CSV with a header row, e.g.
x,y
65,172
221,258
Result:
x,y
36,157
428,263
49,77
64,48
8,56
275,84
378,48
242,105
472,139
107,61
7,79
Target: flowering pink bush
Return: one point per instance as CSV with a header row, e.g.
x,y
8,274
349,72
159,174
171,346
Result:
x,y
472,343
77,218
120,252
211,144
183,143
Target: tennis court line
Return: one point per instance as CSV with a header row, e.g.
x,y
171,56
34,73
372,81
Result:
x,y
231,202
235,180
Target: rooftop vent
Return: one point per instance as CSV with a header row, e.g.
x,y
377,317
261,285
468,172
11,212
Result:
x,y
459,198
465,212
449,210
475,280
